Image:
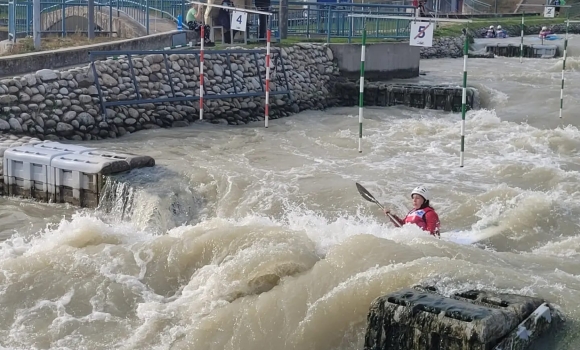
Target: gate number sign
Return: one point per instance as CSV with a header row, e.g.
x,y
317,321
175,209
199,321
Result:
x,y
421,34
549,11
239,20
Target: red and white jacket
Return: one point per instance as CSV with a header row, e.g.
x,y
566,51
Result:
x,y
426,218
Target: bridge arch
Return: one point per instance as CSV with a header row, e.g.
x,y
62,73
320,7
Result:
x,y
76,19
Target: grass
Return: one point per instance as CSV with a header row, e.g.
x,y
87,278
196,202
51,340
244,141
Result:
x,y
26,45
293,40
455,29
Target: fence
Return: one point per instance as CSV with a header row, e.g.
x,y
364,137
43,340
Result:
x,y
328,20
476,6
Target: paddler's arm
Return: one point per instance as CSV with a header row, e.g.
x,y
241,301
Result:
x,y
432,221
400,222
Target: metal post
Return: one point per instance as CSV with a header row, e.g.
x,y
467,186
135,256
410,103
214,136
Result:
x,y
563,69
184,12
91,15
361,89
147,16
283,19
267,104
522,41
202,39
110,18
464,97
36,23
12,21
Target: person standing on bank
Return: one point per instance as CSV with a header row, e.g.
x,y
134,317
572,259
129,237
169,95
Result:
x,y
192,17
422,214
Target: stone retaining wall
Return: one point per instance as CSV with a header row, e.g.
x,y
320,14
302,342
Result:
x,y
65,105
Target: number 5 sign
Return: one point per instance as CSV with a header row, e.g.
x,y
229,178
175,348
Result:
x,y
421,34
239,20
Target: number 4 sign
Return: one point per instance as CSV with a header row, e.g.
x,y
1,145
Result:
x,y
239,20
421,34
549,11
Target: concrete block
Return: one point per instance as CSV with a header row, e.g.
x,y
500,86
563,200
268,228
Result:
x,y
383,61
420,318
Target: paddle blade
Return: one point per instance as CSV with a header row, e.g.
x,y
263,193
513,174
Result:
x,y
367,195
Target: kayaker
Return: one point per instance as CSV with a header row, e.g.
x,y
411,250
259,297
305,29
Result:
x,y
422,214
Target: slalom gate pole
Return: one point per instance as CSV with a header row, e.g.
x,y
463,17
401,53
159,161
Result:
x,y
361,90
201,72
522,40
464,96
563,69
267,103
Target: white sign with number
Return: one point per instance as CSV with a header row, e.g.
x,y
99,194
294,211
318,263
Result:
x,y
239,20
549,11
421,34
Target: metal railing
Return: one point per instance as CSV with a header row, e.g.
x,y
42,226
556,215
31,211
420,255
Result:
x,y
333,21
476,6
328,20
138,92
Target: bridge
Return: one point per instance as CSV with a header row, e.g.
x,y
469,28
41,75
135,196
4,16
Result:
x,y
76,19
117,18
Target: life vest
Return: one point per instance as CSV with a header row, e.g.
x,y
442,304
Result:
x,y
417,217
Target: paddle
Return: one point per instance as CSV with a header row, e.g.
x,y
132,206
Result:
x,y
369,197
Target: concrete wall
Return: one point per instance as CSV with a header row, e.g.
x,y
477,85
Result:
x,y
383,61
74,56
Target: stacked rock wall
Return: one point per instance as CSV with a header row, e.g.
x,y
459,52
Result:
x,y
66,105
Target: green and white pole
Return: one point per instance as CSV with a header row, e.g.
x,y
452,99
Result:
x,y
563,69
522,41
464,96
361,90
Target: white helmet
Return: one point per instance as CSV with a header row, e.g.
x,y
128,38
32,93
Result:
x,y
544,28
499,27
490,27
421,191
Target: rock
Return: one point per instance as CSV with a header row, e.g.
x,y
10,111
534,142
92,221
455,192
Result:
x,y
130,121
69,116
4,125
30,79
46,75
85,99
15,125
64,129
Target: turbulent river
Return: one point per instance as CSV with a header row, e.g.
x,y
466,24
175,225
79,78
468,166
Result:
x,y
246,238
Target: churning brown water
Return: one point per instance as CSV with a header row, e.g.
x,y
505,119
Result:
x,y
246,238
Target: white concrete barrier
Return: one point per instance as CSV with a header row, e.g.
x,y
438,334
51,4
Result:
x,y
61,173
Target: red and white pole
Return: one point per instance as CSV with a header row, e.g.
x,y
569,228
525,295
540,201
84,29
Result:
x,y
267,105
201,73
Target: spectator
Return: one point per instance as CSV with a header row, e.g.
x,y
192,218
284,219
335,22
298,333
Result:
x,y
192,17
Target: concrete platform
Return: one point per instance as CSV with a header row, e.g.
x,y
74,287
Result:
x,y
420,318
480,44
